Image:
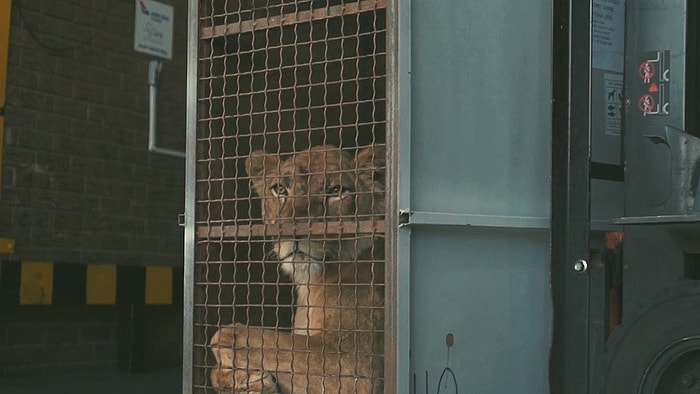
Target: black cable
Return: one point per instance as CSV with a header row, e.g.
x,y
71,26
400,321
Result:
x,y
442,376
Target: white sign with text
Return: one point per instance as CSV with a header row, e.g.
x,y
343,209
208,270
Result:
x,y
153,28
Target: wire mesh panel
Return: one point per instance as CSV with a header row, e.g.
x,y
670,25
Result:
x,y
290,197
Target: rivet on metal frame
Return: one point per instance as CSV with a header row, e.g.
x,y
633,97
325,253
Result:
x,y
581,266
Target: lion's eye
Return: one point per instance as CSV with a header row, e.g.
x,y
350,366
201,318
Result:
x,y
279,190
336,189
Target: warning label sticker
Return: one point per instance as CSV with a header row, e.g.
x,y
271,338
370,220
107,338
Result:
x,y
654,79
613,103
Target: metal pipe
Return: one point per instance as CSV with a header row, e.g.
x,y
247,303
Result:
x,y
154,69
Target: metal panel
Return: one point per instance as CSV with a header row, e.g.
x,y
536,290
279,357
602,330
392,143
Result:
x,y
474,188
481,107
489,289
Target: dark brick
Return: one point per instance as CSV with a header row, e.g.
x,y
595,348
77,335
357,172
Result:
x,y
105,78
85,165
11,356
69,145
70,107
17,118
120,99
29,217
69,353
89,5
136,83
106,352
22,77
57,9
53,162
35,140
105,150
56,124
121,135
28,99
137,155
84,202
118,170
64,254
67,183
56,85
37,60
88,92
65,219
84,128
62,334
41,23
31,177
75,70
96,333
25,334
115,206
120,28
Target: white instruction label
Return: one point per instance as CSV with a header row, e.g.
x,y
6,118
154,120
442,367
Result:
x,y
608,35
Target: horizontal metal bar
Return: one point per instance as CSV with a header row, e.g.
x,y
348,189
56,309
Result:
x,y
660,219
291,18
418,218
254,230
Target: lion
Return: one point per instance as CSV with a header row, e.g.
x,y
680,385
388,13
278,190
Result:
x,y
336,342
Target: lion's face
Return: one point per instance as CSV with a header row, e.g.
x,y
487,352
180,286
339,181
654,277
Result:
x,y
322,184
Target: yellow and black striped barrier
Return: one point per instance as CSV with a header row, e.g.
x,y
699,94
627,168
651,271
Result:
x,y
131,290
45,283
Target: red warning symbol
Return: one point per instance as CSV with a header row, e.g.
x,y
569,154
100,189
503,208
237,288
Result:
x,y
653,88
647,71
646,103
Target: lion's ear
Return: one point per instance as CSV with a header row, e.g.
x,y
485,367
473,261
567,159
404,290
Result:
x,y
371,164
256,165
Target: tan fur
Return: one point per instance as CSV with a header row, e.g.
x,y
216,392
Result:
x,y
336,344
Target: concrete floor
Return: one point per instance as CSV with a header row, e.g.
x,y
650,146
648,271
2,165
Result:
x,y
157,382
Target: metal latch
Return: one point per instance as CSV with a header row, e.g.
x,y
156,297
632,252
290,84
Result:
x,y
404,217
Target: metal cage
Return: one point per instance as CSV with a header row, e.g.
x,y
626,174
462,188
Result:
x,y
288,226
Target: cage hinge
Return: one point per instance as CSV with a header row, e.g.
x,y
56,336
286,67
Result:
x,y
181,220
404,217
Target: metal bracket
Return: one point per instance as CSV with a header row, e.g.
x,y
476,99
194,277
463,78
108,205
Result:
x,y
404,218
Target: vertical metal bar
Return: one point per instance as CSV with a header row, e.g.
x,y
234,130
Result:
x,y
570,195
398,167
190,182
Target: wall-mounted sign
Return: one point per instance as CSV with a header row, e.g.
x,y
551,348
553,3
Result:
x,y
153,28
608,35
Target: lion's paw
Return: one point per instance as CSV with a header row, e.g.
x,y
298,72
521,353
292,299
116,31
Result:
x,y
243,381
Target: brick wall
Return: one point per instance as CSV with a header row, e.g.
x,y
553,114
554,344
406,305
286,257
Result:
x,y
54,339
78,183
